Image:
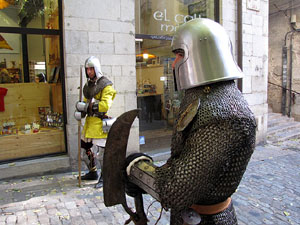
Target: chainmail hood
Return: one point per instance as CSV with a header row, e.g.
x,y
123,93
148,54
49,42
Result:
x,y
91,88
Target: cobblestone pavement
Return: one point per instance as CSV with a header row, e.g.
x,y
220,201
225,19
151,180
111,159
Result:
x,y
268,194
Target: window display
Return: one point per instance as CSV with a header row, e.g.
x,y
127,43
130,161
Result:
x,y
31,115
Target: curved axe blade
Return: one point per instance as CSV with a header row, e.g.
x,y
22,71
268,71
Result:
x,y
114,159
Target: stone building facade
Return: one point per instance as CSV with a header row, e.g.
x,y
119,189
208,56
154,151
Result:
x,y
106,29
108,33
284,34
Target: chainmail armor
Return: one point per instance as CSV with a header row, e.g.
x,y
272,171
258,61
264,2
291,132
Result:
x,y
209,157
226,217
90,89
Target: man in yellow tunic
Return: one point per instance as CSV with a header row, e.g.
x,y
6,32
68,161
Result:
x,y
98,98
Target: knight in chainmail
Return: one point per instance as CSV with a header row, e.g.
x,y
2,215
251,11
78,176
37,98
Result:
x,y
213,137
98,97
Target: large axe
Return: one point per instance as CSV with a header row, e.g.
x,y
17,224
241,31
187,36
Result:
x,y
113,168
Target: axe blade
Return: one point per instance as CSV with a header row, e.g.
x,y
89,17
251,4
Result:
x,y
114,159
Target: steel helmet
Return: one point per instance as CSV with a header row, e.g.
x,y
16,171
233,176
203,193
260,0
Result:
x,y
93,61
207,57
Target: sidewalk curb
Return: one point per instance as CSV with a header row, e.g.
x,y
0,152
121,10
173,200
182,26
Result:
x,y
35,167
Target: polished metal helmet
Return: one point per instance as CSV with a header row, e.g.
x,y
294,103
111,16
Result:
x,y
207,57
93,61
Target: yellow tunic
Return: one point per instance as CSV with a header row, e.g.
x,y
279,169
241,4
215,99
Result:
x,y
93,125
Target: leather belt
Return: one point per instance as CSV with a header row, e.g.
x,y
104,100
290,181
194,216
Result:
x,y
211,209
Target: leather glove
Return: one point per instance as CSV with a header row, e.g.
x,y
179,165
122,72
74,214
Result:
x,y
79,115
82,106
132,189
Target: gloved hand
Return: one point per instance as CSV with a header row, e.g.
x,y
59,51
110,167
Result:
x,y
132,189
82,106
79,115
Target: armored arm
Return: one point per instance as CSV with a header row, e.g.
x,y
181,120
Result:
x,y
82,106
105,98
207,171
81,110
87,107
140,173
79,115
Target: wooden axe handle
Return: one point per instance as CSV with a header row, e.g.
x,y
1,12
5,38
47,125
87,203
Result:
x,y
79,132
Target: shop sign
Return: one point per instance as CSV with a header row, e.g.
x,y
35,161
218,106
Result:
x,y
167,23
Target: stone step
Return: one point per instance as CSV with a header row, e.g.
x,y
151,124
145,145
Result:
x,y
274,115
284,127
275,120
285,135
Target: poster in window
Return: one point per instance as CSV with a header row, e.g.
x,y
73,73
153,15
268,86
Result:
x,y
9,43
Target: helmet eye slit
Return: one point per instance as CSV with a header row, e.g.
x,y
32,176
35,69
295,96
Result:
x,y
179,52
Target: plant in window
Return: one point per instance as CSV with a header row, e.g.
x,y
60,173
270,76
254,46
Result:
x,y
29,9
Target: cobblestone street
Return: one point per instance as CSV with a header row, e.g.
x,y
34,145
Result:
x,y
268,194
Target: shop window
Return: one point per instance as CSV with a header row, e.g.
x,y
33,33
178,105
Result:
x,y
29,13
31,80
156,22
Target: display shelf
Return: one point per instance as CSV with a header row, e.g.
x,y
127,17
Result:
x,y
46,141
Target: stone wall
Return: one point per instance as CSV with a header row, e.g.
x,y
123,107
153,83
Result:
x,y
107,33
255,56
279,27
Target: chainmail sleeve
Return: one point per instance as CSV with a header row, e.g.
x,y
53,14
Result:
x,y
209,157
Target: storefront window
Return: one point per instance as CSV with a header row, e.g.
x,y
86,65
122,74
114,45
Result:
x,y
156,22
29,13
31,100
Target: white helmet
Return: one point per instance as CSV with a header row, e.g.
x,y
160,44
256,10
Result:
x,y
93,61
